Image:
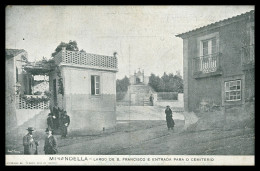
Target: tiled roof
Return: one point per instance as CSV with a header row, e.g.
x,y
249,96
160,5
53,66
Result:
x,y
212,25
9,53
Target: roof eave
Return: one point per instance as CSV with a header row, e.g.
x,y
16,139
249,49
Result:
x,y
215,25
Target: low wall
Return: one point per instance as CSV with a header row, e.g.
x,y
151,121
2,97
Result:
x,y
36,118
172,103
23,115
86,120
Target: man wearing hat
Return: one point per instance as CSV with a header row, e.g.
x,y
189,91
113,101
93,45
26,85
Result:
x,y
50,145
29,143
169,120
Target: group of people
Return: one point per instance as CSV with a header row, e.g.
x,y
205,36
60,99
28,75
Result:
x,y
57,119
31,144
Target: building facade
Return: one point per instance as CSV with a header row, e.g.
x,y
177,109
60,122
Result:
x,y
85,86
218,61
139,91
17,82
139,78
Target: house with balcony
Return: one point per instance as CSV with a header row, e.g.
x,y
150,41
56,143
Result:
x,y
84,85
218,61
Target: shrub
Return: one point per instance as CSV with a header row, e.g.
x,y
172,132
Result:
x,y
37,93
120,95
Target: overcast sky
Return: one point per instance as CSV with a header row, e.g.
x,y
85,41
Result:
x,y
143,36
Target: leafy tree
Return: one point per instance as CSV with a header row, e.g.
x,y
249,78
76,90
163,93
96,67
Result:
x,y
156,83
167,83
82,50
72,46
122,85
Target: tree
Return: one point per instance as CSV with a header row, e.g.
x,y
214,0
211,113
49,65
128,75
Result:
x,y
72,46
122,85
82,51
167,83
156,83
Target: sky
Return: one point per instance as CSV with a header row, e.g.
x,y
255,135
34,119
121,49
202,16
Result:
x,y
143,36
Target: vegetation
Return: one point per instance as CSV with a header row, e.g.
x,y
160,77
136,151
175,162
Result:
x,y
35,100
72,46
122,85
166,83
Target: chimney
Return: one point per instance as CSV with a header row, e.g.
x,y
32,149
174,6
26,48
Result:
x,y
63,48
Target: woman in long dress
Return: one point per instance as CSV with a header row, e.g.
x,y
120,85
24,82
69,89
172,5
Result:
x,y
169,120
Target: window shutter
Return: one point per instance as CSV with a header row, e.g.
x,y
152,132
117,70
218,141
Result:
x,y
92,85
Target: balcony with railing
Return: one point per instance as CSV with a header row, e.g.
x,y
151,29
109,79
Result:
x,y
248,57
208,65
87,60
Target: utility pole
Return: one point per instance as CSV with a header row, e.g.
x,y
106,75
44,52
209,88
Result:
x,y
129,88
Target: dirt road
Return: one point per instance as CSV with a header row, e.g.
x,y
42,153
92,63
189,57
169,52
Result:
x,y
152,137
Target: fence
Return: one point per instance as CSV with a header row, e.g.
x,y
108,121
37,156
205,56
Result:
x,y
82,58
22,104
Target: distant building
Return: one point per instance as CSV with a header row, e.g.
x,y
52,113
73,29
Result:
x,y
219,63
85,86
139,92
139,78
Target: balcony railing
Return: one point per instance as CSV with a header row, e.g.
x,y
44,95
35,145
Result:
x,y
86,59
248,55
206,64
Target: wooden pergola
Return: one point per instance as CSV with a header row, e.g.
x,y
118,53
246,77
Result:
x,y
37,68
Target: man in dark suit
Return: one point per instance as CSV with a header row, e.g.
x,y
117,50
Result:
x,y
29,143
55,117
50,122
50,145
65,123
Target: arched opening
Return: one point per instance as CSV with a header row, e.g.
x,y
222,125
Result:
x,y
138,80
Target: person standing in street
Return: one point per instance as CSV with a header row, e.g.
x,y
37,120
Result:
x,y
65,124
151,99
30,143
55,113
50,145
50,121
169,120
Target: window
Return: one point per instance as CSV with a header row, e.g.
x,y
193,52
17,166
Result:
x,y
95,85
233,90
17,74
208,62
209,46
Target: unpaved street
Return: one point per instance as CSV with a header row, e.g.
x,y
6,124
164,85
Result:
x,y
145,138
